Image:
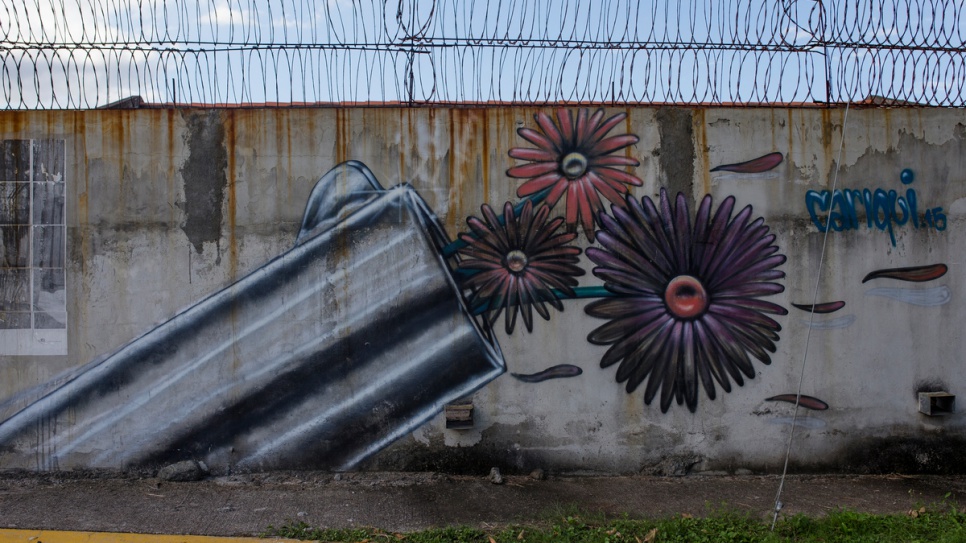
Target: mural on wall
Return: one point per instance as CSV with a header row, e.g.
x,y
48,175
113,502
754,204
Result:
x,y
684,303
929,297
682,296
376,319
290,367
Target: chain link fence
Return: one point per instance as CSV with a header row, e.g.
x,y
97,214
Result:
x,y
80,54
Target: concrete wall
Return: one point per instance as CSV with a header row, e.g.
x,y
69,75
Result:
x,y
160,359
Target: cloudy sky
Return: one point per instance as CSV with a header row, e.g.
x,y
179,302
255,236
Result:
x,y
86,53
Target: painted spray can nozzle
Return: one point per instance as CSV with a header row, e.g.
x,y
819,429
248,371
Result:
x,y
316,360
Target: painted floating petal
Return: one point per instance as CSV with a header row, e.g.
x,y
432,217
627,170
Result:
x,y
808,402
758,165
827,307
916,274
555,372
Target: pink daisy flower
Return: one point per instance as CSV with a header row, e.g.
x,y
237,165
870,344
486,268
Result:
x,y
576,159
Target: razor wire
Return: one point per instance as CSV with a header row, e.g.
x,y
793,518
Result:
x,y
81,54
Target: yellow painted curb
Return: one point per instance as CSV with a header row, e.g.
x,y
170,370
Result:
x,y
51,536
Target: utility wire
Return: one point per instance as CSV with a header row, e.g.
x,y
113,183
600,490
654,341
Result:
x,y
808,335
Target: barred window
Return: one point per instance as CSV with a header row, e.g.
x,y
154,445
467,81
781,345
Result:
x,y
33,302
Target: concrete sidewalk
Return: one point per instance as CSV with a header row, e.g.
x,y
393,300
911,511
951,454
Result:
x,y
56,536
247,505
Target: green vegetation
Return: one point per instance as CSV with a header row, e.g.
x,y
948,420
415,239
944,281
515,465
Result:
x,y
941,524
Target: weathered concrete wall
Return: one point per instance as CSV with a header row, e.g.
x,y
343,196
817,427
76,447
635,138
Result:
x,y
166,207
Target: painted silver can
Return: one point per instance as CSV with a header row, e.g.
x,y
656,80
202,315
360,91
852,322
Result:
x,y
316,360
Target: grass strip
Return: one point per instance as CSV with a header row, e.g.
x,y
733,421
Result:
x,y
943,524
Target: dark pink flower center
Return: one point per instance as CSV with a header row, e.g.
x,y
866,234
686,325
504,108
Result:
x,y
686,297
516,261
573,165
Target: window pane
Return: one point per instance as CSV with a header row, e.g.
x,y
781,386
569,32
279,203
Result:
x,y
48,203
15,160
14,203
15,290
14,246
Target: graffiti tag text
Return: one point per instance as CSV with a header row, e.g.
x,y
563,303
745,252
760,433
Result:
x,y
884,210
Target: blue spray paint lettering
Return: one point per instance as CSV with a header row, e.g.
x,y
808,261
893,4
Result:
x,y
884,210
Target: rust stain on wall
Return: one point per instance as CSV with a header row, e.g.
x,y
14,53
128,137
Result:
x,y
887,122
827,141
341,135
116,132
12,123
455,203
485,121
230,144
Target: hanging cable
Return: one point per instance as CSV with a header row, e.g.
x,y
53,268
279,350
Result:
x,y
808,335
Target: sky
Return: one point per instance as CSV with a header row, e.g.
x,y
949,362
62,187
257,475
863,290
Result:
x,y
87,53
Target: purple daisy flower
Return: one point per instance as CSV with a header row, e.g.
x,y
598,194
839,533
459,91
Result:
x,y
687,308
514,266
575,159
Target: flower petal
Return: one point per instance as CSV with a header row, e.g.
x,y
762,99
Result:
x,y
556,192
740,314
585,195
615,308
728,242
538,184
750,273
534,169
553,134
614,143
612,160
712,359
546,143
682,233
630,330
718,228
565,119
618,176
614,195
606,127
586,132
534,155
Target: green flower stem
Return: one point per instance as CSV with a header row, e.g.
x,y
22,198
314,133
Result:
x,y
579,293
458,243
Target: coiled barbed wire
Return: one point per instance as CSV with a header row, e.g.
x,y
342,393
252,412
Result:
x,y
77,54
